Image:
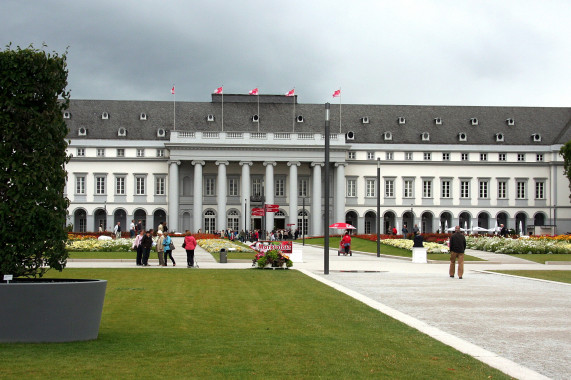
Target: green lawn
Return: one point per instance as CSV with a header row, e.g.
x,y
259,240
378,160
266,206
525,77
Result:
x,y
237,324
364,245
542,258
552,275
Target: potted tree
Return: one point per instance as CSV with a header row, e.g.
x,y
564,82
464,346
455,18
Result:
x,y
33,207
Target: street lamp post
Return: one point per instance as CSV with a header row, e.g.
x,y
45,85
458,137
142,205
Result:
x,y
245,216
303,221
378,207
326,195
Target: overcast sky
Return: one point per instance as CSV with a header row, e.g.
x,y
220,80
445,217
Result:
x,y
457,52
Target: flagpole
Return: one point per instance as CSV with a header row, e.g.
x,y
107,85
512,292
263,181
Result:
x,y
259,118
293,119
174,108
339,110
223,108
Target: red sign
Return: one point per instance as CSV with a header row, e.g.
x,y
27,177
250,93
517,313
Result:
x,y
258,213
291,224
257,209
272,208
264,246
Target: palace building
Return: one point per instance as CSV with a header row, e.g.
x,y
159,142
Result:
x,y
206,165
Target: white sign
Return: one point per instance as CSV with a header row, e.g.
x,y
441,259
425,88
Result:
x,y
8,277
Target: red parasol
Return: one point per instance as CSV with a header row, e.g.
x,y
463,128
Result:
x,y
342,226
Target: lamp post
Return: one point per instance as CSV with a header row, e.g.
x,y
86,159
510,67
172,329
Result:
x,y
303,221
245,216
378,207
326,195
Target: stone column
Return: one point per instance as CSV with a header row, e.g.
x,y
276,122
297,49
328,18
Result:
x,y
316,227
221,195
197,196
245,194
339,197
173,197
269,192
293,193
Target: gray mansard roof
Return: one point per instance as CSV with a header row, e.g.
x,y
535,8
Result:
x,y
276,114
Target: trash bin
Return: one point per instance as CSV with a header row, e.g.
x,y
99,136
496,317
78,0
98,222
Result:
x,y
223,255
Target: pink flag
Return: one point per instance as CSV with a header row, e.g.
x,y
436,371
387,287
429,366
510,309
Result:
x,y
218,90
337,93
254,91
290,92
172,90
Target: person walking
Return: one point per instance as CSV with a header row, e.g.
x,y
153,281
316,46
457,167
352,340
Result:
x,y
147,244
404,231
117,230
189,245
137,246
168,251
457,248
346,243
132,228
161,248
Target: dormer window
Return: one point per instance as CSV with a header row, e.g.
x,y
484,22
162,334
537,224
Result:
x,y
388,136
82,131
462,136
105,116
299,118
122,132
425,136
161,132
143,116
350,135
210,117
365,120
256,119
499,137
438,121
536,137
402,120
474,121
67,115
510,121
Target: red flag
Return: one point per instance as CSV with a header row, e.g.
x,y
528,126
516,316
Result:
x,y
172,90
218,90
337,93
290,92
254,91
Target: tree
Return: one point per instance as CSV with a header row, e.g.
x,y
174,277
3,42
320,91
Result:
x,y
565,152
33,208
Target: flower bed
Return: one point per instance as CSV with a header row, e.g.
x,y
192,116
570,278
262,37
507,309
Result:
x,y
215,245
272,259
545,245
407,244
94,245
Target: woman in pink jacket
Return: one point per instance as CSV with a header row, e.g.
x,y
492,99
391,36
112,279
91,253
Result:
x,y
189,246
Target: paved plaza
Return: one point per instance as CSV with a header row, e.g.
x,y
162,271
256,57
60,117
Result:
x,y
518,325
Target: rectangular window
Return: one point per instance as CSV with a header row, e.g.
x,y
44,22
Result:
x,y
389,188
160,152
502,189
370,155
539,157
427,188
351,188
427,156
140,153
210,186
302,187
99,185
234,186
120,185
521,157
483,190
389,156
540,190
257,186
160,185
408,156
483,156
501,157
120,152
446,190
351,155
140,185
370,188
80,152
464,189
446,156
520,190
408,188
464,157
80,185
100,152
279,187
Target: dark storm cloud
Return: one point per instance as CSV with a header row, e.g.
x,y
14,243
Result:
x,y
406,52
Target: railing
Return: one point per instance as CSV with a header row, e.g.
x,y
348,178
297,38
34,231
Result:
x,y
255,138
